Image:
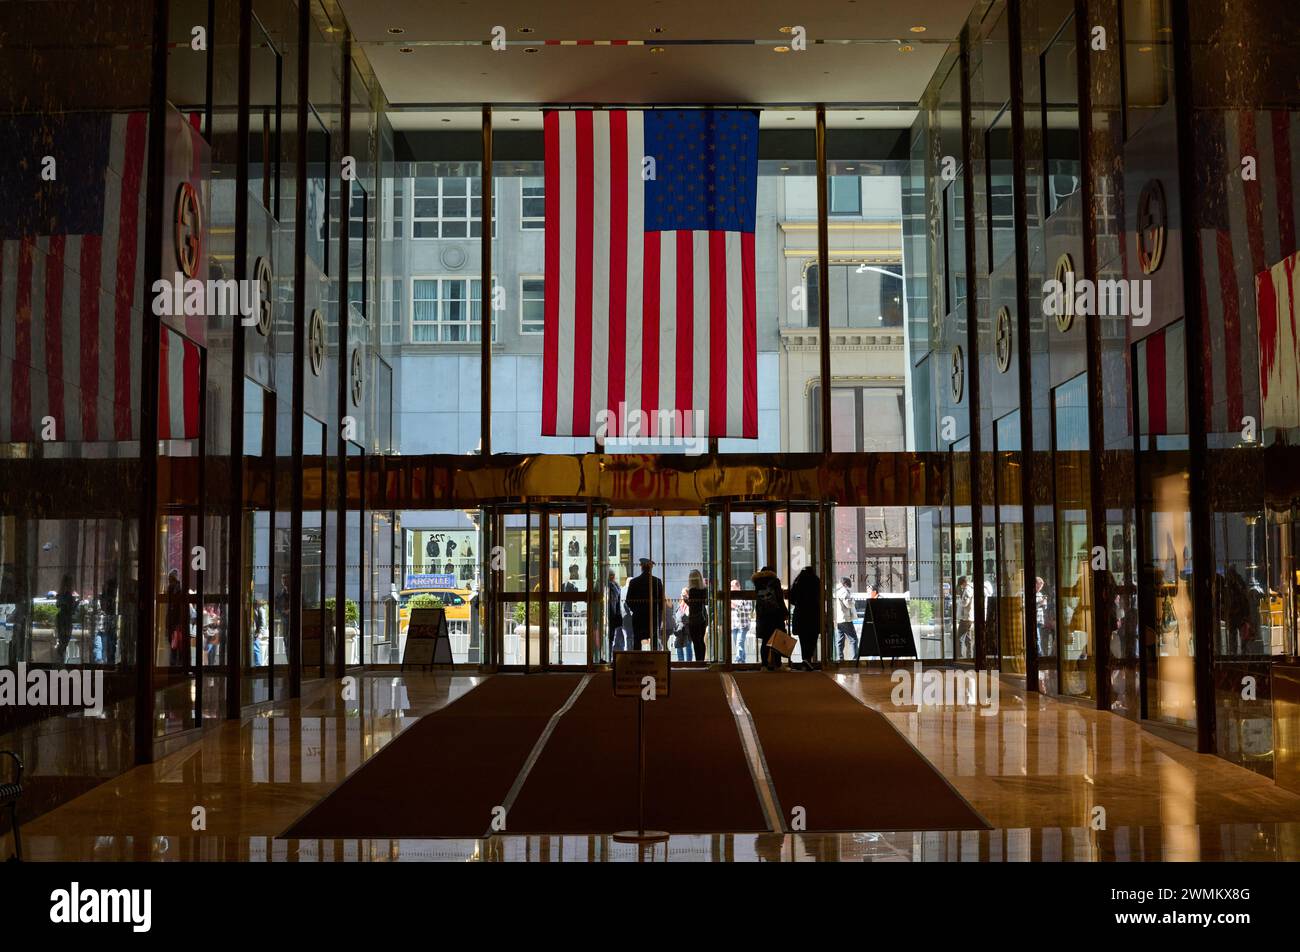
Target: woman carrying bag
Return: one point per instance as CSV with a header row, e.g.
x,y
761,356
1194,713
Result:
x,y
770,614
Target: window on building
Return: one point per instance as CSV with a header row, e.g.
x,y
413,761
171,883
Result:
x,y
395,227
532,203
1000,171
447,207
862,294
358,210
845,195
864,419
1061,148
532,305
445,310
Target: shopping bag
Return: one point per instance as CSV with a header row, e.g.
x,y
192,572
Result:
x,y
782,642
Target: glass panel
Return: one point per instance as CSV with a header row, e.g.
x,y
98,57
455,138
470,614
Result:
x,y
1011,547
1163,461
1148,60
1060,84
1074,601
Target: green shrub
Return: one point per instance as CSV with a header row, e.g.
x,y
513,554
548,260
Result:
x,y
351,612
44,615
425,601
922,611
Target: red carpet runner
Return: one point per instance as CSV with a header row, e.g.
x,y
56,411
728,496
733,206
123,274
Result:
x,y
443,775
845,764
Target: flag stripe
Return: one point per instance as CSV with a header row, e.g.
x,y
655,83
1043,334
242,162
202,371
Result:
x,y
650,314
124,285
21,427
53,320
687,278
618,216
91,250
551,299
734,370
750,335
718,332
596,360
584,263
636,244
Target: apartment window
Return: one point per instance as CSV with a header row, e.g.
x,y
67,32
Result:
x,y
845,195
532,203
445,310
447,207
532,305
395,226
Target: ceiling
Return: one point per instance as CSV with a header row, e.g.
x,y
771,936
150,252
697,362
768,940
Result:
x,y
690,52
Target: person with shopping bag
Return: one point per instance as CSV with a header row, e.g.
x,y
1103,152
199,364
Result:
x,y
770,614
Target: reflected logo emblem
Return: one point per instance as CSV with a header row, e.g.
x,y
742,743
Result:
x,y
957,379
1065,278
358,378
262,275
188,221
1152,222
1002,339
316,342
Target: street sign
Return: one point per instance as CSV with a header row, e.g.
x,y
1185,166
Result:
x,y
631,668
431,580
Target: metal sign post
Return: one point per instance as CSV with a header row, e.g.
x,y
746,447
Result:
x,y
636,674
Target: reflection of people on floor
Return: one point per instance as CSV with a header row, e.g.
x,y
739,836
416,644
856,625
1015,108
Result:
x,y
844,616
742,614
805,603
770,613
697,613
645,599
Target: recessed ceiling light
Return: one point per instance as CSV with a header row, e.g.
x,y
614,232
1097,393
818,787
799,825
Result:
x,y
905,48
859,118
849,168
918,29
407,49
446,120
525,29
780,49
787,29
396,30
789,118
657,29
514,118
785,168
530,49
656,49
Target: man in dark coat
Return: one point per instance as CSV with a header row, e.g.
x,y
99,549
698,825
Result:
x,y
645,599
614,612
770,613
805,600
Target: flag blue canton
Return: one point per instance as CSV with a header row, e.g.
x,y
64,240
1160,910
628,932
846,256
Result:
x,y
706,169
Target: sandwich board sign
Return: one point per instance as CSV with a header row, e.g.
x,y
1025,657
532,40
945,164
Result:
x,y
427,639
893,627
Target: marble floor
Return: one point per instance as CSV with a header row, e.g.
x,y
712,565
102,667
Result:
x,y
1056,781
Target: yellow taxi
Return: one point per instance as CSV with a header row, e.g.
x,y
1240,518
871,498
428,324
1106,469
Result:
x,y
455,600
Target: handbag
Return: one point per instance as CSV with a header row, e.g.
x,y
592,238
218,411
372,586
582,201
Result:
x,y
782,642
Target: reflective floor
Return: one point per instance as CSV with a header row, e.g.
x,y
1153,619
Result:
x,y
1057,782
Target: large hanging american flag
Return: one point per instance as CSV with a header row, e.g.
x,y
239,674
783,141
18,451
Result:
x,y
649,289
71,259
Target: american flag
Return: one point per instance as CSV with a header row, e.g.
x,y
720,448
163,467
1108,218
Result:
x,y
649,286
71,260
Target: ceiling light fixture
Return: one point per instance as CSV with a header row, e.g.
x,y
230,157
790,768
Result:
x,y
657,29
530,49
656,49
918,29
1144,49
396,30
525,29
905,48
787,29
780,49
407,49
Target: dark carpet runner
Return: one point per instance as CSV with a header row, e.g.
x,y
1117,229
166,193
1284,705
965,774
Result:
x,y
443,775
697,777
845,764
